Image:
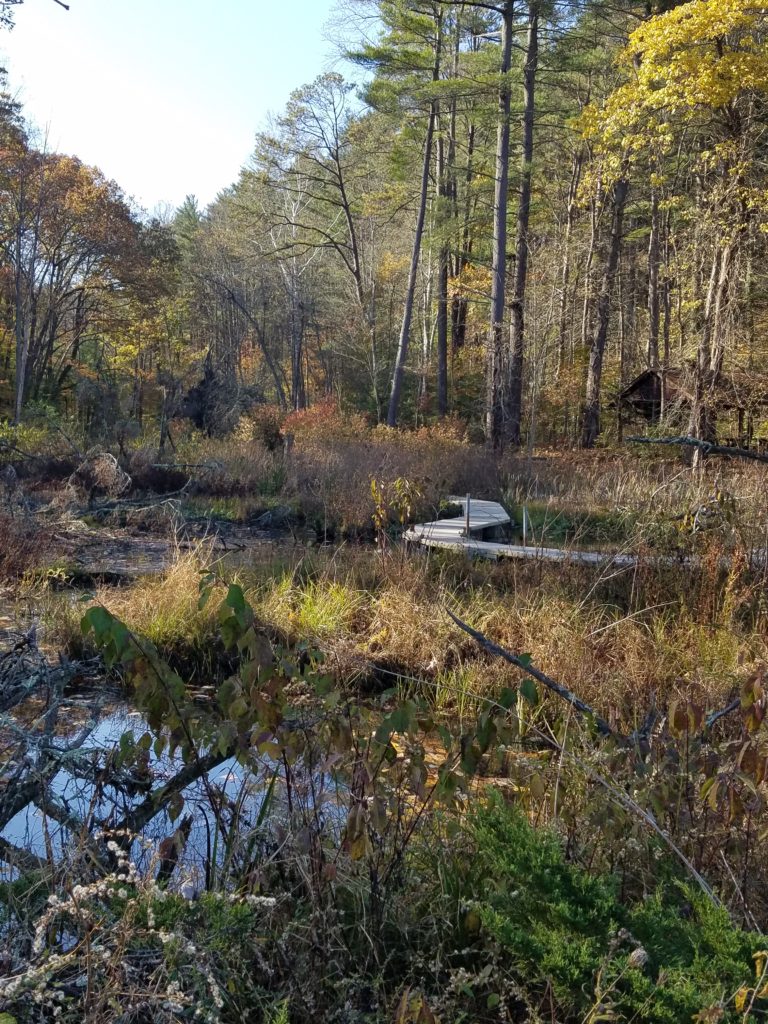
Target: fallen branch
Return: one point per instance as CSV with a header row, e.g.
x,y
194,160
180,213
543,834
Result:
x,y
182,465
141,815
705,446
616,792
639,737
138,504
717,715
602,726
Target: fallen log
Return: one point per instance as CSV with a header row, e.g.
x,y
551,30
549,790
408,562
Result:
x,y
640,737
707,447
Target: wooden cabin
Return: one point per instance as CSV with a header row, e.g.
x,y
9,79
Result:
x,y
740,398
649,394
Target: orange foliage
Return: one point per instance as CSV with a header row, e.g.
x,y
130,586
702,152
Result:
x,y
325,421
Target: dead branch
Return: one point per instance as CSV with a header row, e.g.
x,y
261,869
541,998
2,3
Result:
x,y
705,446
154,802
640,737
138,504
717,715
554,687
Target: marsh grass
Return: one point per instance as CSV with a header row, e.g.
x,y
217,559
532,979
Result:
x,y
162,608
486,918
617,642
684,624
621,640
22,547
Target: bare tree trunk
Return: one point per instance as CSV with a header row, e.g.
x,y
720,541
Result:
x,y
590,424
495,357
21,330
666,289
298,391
565,274
710,353
514,404
594,211
721,305
652,356
405,329
460,303
442,284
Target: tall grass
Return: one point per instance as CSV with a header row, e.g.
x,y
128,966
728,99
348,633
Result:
x,y
619,641
619,636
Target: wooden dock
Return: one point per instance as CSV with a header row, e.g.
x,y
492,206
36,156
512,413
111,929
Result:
x,y
470,532
476,534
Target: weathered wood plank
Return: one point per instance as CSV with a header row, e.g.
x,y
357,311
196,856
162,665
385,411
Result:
x,y
483,515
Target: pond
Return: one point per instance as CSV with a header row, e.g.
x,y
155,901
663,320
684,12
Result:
x,y
227,800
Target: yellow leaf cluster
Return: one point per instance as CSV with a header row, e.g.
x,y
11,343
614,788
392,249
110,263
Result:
x,y
703,55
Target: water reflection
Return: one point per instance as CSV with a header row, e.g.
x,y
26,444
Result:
x,y
225,804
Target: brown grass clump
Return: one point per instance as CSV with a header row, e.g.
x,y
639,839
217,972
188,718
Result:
x,y
326,461
616,650
23,546
164,610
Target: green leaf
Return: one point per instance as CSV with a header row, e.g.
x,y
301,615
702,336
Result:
x,y
383,733
98,620
401,718
508,698
529,691
446,738
236,599
229,690
238,708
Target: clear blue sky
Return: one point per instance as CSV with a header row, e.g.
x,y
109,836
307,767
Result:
x,y
165,96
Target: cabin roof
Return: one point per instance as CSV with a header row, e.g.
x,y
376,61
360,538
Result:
x,y
736,389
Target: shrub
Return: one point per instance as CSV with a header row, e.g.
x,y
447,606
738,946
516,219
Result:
x,y
662,960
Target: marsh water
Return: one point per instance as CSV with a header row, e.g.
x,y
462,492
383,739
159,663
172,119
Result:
x,y
227,792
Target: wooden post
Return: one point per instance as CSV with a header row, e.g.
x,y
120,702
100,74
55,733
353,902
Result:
x,y
466,517
525,525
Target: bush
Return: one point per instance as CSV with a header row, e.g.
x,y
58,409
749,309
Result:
x,y
565,934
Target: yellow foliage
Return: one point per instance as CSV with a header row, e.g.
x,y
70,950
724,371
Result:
x,y
702,55
391,267
472,283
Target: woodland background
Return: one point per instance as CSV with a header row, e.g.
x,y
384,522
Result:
x,y
523,206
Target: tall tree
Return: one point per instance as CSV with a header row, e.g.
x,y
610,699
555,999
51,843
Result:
x,y
409,63
591,414
496,355
515,391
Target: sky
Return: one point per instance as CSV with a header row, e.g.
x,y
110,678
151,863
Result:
x,y
164,96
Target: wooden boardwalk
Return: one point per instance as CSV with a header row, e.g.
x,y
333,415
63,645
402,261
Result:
x,y
468,535
488,517
484,517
